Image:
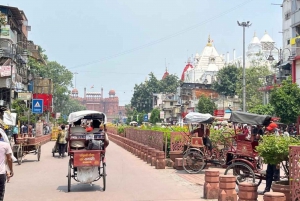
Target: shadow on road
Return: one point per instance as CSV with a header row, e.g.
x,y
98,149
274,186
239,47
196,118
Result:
x,y
80,188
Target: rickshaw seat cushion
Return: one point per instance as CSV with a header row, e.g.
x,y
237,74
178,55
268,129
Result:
x,y
245,148
197,142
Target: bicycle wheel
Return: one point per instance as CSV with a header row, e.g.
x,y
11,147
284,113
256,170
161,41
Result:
x,y
193,161
20,155
241,171
104,176
69,175
39,151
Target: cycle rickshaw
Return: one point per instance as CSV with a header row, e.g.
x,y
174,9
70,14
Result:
x,y
244,162
87,164
196,156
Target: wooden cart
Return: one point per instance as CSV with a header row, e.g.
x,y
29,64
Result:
x,y
20,150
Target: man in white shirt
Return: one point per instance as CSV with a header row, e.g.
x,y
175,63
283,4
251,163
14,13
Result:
x,y
5,157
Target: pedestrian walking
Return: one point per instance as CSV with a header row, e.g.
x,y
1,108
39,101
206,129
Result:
x,y
62,141
5,157
15,133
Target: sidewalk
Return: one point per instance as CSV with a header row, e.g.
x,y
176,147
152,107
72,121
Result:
x,y
198,179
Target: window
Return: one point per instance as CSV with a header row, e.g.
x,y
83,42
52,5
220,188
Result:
x,y
287,15
171,103
288,41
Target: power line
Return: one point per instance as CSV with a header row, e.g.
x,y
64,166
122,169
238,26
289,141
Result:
x,y
166,37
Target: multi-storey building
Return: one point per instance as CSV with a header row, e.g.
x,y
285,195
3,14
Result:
x,y
13,54
295,40
96,101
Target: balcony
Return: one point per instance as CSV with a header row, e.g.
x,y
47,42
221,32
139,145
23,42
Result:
x,y
295,18
8,34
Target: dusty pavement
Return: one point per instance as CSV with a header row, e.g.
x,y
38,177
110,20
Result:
x,y
129,179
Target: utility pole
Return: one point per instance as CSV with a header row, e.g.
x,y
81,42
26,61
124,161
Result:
x,y
244,25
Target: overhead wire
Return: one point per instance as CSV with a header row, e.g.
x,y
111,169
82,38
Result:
x,y
166,37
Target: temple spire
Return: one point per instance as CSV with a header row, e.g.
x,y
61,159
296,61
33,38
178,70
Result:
x,y
209,41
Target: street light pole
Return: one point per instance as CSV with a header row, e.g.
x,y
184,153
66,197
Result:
x,y
244,25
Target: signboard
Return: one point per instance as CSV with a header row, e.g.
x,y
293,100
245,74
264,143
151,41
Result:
x,y
5,71
219,113
39,128
145,117
87,158
58,115
37,106
24,96
162,114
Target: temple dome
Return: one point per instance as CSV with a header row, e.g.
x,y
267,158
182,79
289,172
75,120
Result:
x,y
165,75
111,92
186,68
255,39
266,38
74,91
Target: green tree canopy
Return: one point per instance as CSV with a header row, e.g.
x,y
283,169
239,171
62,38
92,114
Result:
x,y
155,116
228,77
255,78
286,101
267,109
206,105
143,93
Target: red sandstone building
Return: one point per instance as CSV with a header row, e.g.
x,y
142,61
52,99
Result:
x,y
96,101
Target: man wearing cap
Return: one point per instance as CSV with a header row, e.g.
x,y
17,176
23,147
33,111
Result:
x,y
273,171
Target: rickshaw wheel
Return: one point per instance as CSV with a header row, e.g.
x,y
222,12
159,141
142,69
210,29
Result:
x,y
69,175
104,176
39,151
241,171
19,155
193,161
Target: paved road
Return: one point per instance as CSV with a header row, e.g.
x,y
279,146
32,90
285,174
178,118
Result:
x,y
128,178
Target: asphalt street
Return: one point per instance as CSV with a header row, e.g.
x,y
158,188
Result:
x,y
128,178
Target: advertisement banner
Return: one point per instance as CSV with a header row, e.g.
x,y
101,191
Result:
x,y
162,114
24,96
58,115
5,71
39,129
219,113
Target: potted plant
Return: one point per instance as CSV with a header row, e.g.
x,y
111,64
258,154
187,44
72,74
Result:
x,y
275,150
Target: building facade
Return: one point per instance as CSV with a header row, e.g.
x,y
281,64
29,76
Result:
x,y
96,101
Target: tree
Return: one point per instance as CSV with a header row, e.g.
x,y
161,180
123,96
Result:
x,y
170,84
267,109
206,105
286,101
155,116
255,77
142,96
228,77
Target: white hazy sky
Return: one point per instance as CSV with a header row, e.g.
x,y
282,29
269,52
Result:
x,y
115,44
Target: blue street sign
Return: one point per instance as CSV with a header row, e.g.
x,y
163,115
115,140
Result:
x,y
37,106
145,117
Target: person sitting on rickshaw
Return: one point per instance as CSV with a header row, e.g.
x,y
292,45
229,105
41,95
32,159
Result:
x,y
77,130
204,133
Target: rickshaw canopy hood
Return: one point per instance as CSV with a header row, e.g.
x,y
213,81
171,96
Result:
x,y
87,114
249,118
196,117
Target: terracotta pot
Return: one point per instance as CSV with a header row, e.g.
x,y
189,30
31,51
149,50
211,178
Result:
x,y
282,187
247,191
274,196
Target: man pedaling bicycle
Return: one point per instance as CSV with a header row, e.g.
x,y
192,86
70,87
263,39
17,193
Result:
x,y
203,131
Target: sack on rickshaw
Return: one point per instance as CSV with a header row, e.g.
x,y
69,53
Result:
x,y
87,174
95,145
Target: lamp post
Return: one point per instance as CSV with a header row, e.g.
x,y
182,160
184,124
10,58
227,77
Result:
x,y
244,25
280,56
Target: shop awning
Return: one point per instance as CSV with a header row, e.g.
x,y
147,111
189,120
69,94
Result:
x,y
285,65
